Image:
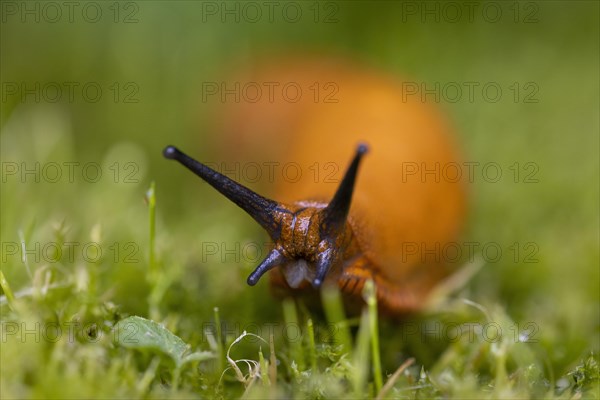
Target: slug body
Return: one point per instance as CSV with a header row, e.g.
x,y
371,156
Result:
x,y
361,225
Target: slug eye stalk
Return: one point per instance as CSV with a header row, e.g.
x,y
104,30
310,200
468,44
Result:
x,y
261,209
335,214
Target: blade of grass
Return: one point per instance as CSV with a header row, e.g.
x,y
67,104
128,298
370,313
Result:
x,y
220,359
334,311
312,352
143,385
151,198
360,356
176,379
24,258
290,316
264,368
272,362
10,298
153,278
370,296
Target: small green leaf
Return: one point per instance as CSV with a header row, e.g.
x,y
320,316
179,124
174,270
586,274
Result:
x,y
140,333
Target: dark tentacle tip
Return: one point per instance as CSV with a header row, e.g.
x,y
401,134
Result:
x,y
362,148
252,280
171,152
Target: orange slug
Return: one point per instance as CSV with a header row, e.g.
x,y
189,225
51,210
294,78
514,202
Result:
x,y
359,228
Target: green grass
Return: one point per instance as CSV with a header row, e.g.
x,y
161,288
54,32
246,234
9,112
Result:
x,y
152,316
63,337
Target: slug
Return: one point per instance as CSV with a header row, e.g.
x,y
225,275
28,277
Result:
x,y
364,226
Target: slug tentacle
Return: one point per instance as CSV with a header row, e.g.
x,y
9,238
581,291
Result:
x,y
333,219
324,261
274,259
261,209
336,212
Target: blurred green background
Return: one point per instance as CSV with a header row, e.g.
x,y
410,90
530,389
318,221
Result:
x,y
150,60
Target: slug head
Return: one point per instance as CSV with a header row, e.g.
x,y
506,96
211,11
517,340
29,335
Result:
x,y
309,237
